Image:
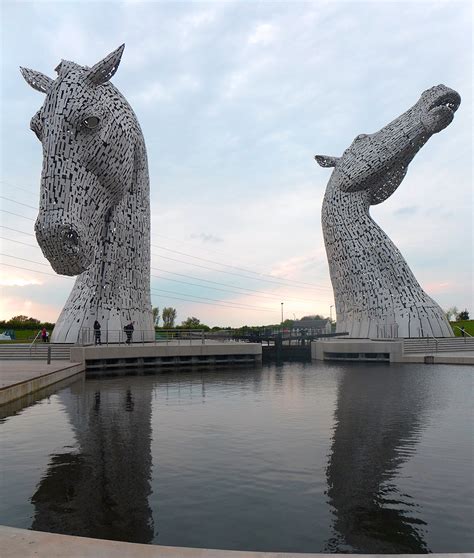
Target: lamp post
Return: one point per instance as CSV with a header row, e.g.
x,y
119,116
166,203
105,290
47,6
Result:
x,y
330,312
282,313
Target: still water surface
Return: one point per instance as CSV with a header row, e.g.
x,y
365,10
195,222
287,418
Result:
x,y
300,457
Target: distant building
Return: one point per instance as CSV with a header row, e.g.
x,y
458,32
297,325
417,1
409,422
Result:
x,y
313,326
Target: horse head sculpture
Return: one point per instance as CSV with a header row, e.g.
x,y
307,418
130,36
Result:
x,y
375,292
94,215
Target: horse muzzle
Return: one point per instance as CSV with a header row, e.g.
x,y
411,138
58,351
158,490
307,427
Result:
x,y
63,246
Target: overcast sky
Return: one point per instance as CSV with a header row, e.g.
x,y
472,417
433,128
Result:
x,y
235,99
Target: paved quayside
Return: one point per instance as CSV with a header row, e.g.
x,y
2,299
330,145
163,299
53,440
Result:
x,y
19,378
24,543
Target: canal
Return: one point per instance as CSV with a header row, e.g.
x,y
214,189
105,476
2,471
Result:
x,y
302,457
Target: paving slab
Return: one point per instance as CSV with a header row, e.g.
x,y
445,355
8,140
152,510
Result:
x,y
23,543
19,378
17,371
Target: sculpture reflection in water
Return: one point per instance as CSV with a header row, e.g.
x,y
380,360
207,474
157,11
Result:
x,y
378,424
101,488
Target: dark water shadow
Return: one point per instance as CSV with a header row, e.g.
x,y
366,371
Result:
x,y
100,488
18,405
378,421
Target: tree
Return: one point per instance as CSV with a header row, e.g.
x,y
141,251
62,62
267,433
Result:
x,y
22,322
451,313
464,315
22,319
168,316
156,315
191,323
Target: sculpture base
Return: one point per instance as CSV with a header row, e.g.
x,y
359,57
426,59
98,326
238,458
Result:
x,y
427,350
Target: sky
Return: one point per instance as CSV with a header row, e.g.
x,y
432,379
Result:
x,y
235,99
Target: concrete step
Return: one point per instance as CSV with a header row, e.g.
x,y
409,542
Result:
x,y
22,351
428,345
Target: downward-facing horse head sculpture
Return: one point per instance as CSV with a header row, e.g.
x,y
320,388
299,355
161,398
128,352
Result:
x,y
375,292
94,215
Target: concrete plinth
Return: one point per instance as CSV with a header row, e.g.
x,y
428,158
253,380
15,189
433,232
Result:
x,y
357,349
172,354
433,351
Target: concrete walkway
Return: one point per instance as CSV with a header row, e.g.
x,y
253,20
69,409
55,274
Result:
x,y
22,543
465,357
19,377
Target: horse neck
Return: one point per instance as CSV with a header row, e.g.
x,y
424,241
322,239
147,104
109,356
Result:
x,y
127,236
121,268
342,211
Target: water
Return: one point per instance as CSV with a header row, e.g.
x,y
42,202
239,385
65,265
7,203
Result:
x,y
320,457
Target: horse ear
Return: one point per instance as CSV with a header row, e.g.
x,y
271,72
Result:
x,y
106,68
37,80
326,161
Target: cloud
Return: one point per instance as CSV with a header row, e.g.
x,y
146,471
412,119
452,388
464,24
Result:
x,y
195,25
302,264
207,238
437,288
13,281
241,81
157,92
264,34
17,305
406,210
154,92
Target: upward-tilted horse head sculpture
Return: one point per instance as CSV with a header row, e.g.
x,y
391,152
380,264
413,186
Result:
x,y
94,215
375,292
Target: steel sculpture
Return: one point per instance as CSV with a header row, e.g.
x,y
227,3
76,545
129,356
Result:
x,y
376,294
94,214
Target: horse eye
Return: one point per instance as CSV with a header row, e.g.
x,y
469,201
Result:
x,y
91,122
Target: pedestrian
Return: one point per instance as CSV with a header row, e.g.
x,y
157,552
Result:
x,y
44,335
47,337
129,332
463,331
97,333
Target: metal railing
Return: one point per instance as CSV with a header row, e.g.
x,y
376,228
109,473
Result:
x,y
428,337
89,336
180,336
32,344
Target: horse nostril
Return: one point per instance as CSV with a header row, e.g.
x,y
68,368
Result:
x,y
70,240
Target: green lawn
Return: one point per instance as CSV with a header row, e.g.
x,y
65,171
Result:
x,y
468,325
23,336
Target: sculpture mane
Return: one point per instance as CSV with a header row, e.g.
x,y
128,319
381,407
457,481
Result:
x,y
94,215
375,292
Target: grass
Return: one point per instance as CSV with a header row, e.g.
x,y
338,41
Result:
x,y
23,336
468,326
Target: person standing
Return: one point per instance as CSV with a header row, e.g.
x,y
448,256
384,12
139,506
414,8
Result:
x,y
129,332
97,333
44,335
